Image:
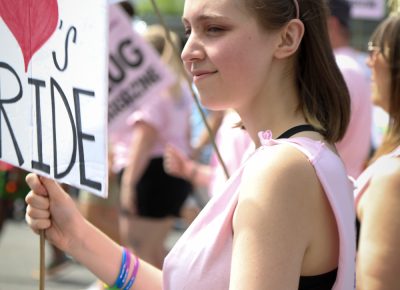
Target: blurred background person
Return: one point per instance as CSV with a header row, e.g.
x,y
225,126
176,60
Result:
x,y
137,23
201,142
377,193
151,199
202,151
355,147
234,145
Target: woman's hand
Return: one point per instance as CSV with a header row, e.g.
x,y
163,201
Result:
x,y
51,209
176,163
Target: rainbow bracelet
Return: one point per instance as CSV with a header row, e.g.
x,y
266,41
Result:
x,y
123,271
128,266
134,273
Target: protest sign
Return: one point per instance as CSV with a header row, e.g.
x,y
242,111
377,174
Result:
x,y
53,89
368,9
136,73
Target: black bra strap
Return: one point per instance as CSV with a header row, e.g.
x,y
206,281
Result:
x,y
296,129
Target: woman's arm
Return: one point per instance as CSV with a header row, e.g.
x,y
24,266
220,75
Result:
x,y
278,221
378,256
51,209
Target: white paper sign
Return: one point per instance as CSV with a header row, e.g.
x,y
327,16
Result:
x,y
368,9
53,89
136,72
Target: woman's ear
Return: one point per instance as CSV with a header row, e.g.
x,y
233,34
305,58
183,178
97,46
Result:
x,y
291,36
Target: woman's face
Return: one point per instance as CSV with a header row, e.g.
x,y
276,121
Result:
x,y
227,53
380,78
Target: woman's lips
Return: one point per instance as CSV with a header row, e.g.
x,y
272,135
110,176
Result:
x,y
202,75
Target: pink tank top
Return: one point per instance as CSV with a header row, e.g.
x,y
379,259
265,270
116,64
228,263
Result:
x,y
363,180
201,258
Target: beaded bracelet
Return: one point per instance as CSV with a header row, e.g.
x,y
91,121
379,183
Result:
x,y
134,273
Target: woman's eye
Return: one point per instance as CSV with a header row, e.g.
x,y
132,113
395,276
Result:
x,y
187,32
214,29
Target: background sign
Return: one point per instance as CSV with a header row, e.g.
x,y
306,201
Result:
x,y
136,73
368,9
53,89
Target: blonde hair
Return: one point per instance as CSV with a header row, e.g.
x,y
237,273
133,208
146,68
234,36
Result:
x,y
387,38
156,35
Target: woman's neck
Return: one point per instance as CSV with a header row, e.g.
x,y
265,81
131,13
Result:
x,y
275,106
276,113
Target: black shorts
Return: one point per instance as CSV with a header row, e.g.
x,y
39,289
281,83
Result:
x,y
159,194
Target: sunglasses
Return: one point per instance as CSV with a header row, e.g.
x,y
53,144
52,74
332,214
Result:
x,y
373,49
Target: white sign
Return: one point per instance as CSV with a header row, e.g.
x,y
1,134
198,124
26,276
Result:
x,y
136,72
368,9
53,89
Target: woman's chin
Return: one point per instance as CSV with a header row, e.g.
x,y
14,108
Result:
x,y
211,104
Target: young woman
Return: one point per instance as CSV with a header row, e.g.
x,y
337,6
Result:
x,y
285,219
377,192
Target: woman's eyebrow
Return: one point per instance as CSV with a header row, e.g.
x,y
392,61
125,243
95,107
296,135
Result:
x,y
205,17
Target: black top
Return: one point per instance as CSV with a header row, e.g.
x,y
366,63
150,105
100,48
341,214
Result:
x,y
319,282
323,281
358,228
296,129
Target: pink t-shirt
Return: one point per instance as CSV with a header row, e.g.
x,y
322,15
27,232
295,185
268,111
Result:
x,y
169,116
355,146
201,259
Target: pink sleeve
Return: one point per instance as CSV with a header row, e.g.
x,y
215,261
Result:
x,y
153,113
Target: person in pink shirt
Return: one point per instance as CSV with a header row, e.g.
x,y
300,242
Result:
x,y
150,198
285,219
356,144
377,192
234,145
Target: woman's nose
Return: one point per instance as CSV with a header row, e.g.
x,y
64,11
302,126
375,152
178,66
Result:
x,y
192,51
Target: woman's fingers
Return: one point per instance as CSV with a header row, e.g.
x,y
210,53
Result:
x,y
37,201
36,213
173,160
57,193
37,223
35,184
38,209
47,189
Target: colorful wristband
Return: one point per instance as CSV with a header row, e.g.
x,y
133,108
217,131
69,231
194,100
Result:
x,y
128,266
134,273
119,283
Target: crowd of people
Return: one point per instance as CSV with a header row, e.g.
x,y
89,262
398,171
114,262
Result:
x,y
304,200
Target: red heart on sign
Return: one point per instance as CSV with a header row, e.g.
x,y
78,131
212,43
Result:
x,y
32,22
